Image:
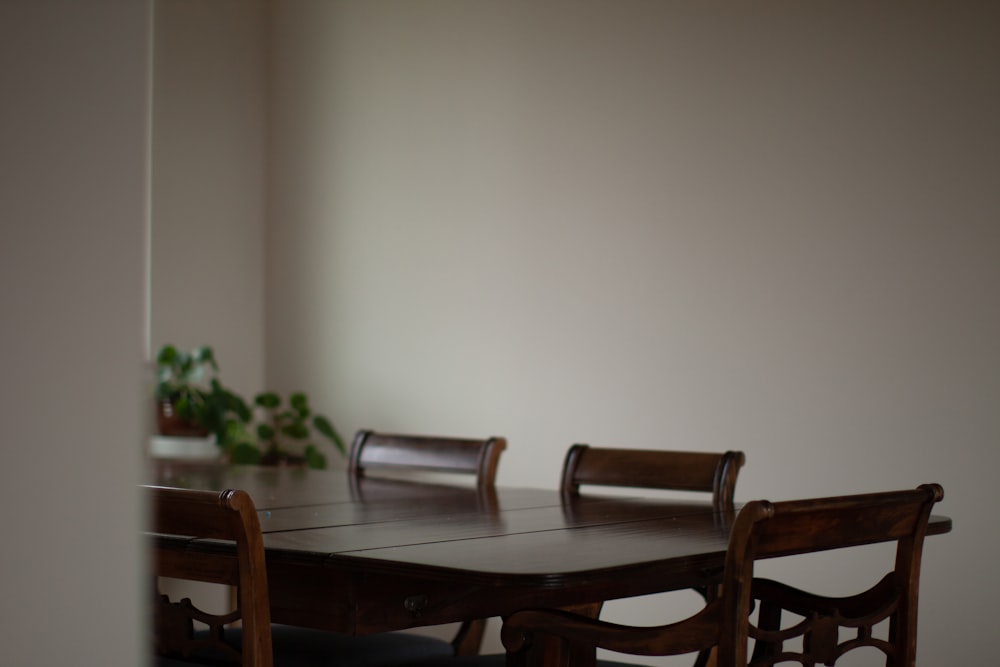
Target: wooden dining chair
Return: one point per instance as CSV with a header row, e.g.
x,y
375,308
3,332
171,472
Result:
x,y
229,516
373,455
254,641
653,469
765,530
660,469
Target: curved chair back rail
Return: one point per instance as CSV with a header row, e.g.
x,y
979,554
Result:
x,y
653,469
371,451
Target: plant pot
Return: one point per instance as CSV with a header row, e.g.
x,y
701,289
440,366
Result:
x,y
168,423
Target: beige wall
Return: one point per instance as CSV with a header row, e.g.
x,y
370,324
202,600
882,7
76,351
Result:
x,y
208,171
73,211
771,228
766,227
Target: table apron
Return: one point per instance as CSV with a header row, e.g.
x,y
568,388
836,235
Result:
x,y
363,602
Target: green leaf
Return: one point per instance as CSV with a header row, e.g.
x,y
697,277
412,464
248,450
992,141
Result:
x,y
268,399
324,426
167,355
205,355
244,453
296,430
314,459
239,407
339,443
182,362
299,403
183,407
233,432
264,431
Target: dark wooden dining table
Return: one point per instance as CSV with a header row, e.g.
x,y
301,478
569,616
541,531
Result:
x,y
374,555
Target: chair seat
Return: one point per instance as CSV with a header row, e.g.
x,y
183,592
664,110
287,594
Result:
x,y
303,647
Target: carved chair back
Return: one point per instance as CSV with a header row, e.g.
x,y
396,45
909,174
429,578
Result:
x,y
782,529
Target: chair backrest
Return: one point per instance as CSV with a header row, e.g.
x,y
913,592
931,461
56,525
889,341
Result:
x,y
372,452
653,469
765,530
229,515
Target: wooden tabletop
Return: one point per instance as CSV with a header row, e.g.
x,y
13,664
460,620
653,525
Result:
x,y
384,555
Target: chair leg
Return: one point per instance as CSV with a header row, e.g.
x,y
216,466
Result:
x,y
769,618
706,658
469,638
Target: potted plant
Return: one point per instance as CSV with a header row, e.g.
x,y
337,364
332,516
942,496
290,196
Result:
x,y
192,401
281,434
